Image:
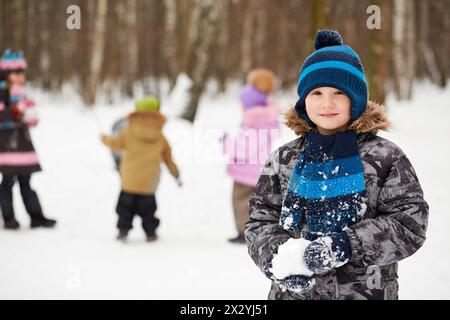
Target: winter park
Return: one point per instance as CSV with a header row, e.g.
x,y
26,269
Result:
x,y
224,150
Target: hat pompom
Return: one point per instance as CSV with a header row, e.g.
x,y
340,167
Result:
x,y
327,38
262,79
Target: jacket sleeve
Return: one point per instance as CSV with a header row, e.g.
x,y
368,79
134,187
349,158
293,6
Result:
x,y
399,230
115,143
263,233
167,158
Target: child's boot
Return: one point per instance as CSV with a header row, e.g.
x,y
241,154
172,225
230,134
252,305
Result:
x,y
122,236
12,224
240,239
42,222
152,237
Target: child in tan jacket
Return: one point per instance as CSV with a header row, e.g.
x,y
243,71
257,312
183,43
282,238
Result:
x,y
144,148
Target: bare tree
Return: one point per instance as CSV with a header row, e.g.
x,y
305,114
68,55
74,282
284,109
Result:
x,y
247,36
223,43
318,19
427,59
404,57
377,62
147,40
442,50
207,30
170,39
44,46
18,19
129,41
98,37
261,27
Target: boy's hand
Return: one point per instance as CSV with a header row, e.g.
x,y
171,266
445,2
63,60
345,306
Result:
x,y
103,137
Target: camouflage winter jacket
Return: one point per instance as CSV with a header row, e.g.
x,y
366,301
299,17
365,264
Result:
x,y
392,228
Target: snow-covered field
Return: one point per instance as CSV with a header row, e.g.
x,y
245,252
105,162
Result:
x,y
192,259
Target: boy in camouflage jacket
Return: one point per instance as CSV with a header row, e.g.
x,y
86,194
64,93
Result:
x,y
390,224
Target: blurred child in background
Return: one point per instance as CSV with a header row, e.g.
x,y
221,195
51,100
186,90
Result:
x,y
144,148
18,160
249,151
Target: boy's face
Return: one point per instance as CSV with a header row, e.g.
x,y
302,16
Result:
x,y
17,78
329,109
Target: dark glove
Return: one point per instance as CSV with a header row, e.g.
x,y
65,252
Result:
x,y
328,252
296,283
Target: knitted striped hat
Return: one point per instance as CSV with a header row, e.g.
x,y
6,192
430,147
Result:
x,y
12,62
336,65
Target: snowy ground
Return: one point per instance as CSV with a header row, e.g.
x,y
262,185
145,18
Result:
x,y
192,259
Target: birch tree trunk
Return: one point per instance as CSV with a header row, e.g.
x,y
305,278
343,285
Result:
x,y
377,57
129,38
170,39
44,52
283,48
261,24
247,38
410,49
426,54
96,61
17,20
404,56
318,20
223,43
442,51
31,38
206,35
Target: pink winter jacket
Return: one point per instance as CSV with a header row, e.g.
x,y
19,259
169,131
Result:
x,y
249,151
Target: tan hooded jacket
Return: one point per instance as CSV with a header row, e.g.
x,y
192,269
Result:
x,y
145,147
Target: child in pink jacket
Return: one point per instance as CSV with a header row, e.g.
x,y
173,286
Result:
x,y
249,151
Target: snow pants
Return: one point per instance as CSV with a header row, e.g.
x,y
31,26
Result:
x,y
241,198
29,196
130,204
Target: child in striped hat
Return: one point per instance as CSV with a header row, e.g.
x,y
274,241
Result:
x,y
337,208
18,159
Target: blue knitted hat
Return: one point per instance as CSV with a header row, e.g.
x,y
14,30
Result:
x,y
336,65
12,61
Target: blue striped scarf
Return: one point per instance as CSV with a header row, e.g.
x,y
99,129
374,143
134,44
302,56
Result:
x,y
327,186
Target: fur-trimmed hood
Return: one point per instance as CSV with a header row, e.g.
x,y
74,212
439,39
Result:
x,y
372,120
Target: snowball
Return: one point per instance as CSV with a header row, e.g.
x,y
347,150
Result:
x,y
289,259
